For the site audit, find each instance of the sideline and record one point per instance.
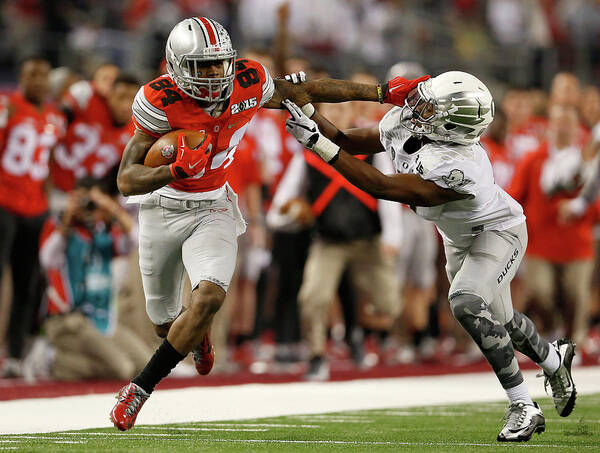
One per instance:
(249, 401)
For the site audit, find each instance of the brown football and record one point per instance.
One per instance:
(164, 150)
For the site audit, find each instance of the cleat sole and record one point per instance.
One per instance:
(568, 362)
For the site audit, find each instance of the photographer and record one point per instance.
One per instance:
(76, 253)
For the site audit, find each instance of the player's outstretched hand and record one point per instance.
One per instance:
(396, 90)
(301, 126)
(190, 161)
(307, 132)
(296, 77)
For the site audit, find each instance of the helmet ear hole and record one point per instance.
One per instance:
(449, 126)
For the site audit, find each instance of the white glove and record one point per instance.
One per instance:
(307, 133)
(296, 77)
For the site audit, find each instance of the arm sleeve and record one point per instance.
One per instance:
(390, 212)
(268, 88)
(289, 188)
(147, 117)
(390, 131)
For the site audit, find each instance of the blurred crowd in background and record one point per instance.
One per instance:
(325, 273)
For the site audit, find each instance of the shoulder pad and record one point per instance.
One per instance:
(148, 111)
(249, 73)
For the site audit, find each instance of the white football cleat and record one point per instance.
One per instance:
(522, 420)
(561, 382)
(318, 370)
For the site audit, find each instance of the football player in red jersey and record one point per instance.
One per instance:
(99, 128)
(29, 128)
(189, 218)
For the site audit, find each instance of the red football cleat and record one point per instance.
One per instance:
(131, 399)
(204, 356)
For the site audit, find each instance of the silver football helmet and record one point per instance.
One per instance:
(192, 44)
(454, 106)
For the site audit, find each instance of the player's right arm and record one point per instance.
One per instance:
(410, 189)
(364, 140)
(134, 178)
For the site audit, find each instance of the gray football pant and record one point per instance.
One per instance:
(480, 273)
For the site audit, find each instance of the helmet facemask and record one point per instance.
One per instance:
(418, 112)
(459, 117)
(208, 89)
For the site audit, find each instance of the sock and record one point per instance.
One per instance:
(519, 393)
(418, 336)
(550, 363)
(160, 365)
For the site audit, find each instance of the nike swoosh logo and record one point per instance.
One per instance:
(192, 166)
(229, 126)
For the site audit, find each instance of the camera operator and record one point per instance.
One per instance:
(76, 253)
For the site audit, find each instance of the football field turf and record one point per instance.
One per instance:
(455, 428)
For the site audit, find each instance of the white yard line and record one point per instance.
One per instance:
(271, 400)
(104, 436)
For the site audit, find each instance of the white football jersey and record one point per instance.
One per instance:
(463, 168)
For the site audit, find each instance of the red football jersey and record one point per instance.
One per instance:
(26, 136)
(245, 169)
(93, 144)
(160, 106)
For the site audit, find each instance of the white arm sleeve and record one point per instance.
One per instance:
(268, 88)
(390, 212)
(148, 116)
(291, 186)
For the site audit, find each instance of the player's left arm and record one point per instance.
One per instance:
(333, 90)
(135, 178)
(321, 90)
(404, 188)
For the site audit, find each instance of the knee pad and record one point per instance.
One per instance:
(473, 314)
(464, 305)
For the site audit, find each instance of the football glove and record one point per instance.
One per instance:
(396, 90)
(189, 161)
(296, 77)
(307, 133)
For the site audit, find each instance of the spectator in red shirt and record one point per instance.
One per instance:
(542, 180)
(99, 128)
(29, 128)
(524, 129)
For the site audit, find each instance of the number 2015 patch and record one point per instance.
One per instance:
(243, 105)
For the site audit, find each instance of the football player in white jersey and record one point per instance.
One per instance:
(443, 172)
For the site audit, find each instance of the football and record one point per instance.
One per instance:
(164, 150)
